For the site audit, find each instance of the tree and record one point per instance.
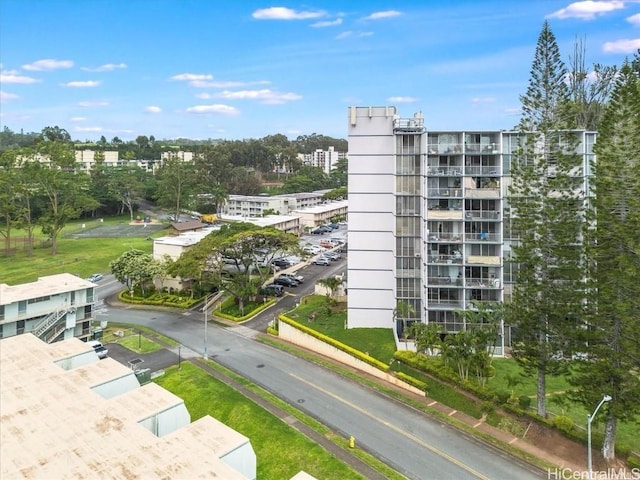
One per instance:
(126, 184)
(427, 337)
(66, 192)
(330, 283)
(175, 182)
(588, 91)
(546, 204)
(611, 357)
(55, 134)
(133, 268)
(404, 312)
(237, 258)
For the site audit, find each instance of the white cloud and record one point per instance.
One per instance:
(216, 108)
(48, 64)
(626, 45)
(483, 100)
(282, 13)
(152, 109)
(13, 77)
(265, 95)
(107, 67)
(588, 9)
(6, 96)
(383, 14)
(190, 77)
(81, 84)
(328, 23)
(634, 20)
(93, 104)
(78, 119)
(402, 99)
(225, 84)
(352, 34)
(88, 129)
(204, 96)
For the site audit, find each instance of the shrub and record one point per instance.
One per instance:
(503, 396)
(634, 461)
(563, 423)
(412, 381)
(524, 402)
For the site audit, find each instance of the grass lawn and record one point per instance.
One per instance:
(81, 256)
(377, 342)
(280, 450)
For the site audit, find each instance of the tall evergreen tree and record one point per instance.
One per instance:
(545, 201)
(613, 340)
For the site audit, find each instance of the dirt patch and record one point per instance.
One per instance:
(119, 231)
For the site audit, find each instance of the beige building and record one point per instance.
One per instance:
(321, 214)
(66, 414)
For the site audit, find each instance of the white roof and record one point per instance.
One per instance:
(49, 285)
(55, 426)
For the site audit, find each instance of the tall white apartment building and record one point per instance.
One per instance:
(323, 159)
(427, 230)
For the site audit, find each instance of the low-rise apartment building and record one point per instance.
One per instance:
(53, 308)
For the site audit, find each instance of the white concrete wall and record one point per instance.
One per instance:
(297, 337)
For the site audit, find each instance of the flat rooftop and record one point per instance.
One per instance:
(49, 285)
(55, 423)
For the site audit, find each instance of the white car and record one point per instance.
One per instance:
(100, 349)
(96, 277)
(295, 276)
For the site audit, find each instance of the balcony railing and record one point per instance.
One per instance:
(483, 237)
(490, 148)
(445, 192)
(481, 170)
(482, 282)
(485, 214)
(445, 259)
(444, 171)
(444, 148)
(445, 237)
(487, 192)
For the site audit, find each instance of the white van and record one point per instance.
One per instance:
(100, 349)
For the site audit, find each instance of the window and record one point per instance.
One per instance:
(38, 299)
(1, 312)
(22, 307)
(19, 327)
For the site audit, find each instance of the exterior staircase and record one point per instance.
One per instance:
(48, 322)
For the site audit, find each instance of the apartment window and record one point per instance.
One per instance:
(90, 295)
(22, 307)
(38, 299)
(1, 335)
(19, 327)
(1, 312)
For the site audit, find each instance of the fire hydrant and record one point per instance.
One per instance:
(352, 442)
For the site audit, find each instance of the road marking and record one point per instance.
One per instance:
(431, 448)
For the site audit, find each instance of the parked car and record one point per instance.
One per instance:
(273, 290)
(285, 281)
(96, 277)
(333, 226)
(332, 256)
(324, 261)
(326, 244)
(295, 276)
(320, 231)
(99, 348)
(282, 263)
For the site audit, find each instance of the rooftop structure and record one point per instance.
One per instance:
(66, 414)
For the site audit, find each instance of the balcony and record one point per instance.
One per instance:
(439, 214)
(481, 170)
(445, 237)
(444, 171)
(444, 148)
(445, 192)
(483, 260)
(444, 304)
(490, 148)
(482, 283)
(483, 237)
(445, 259)
(485, 193)
(482, 214)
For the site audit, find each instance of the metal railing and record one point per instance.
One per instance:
(50, 320)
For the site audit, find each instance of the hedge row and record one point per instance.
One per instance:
(421, 362)
(226, 302)
(166, 300)
(339, 345)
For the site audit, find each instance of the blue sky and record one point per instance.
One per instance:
(246, 69)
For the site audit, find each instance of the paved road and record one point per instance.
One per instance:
(412, 443)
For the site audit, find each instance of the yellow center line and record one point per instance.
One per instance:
(431, 448)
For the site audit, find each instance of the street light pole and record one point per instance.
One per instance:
(206, 307)
(590, 417)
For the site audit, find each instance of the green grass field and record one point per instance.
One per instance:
(280, 450)
(377, 342)
(81, 256)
